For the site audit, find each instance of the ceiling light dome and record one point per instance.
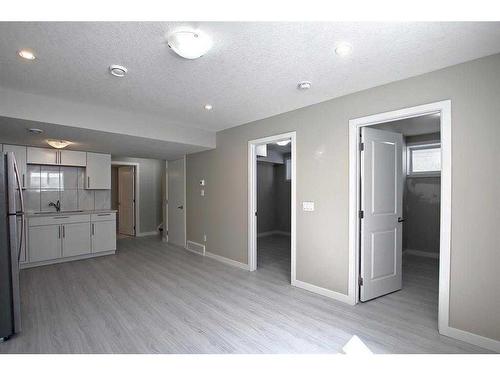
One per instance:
(58, 143)
(283, 143)
(27, 54)
(343, 49)
(189, 44)
(304, 85)
(118, 70)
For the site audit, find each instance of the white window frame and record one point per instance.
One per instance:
(409, 159)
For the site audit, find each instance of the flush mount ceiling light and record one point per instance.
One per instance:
(283, 143)
(117, 70)
(189, 44)
(35, 131)
(343, 49)
(304, 85)
(208, 107)
(26, 54)
(58, 143)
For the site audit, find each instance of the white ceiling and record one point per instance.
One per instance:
(14, 131)
(250, 73)
(427, 124)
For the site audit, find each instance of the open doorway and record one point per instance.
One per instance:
(271, 205)
(400, 210)
(124, 191)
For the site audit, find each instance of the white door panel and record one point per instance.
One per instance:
(126, 204)
(382, 203)
(176, 202)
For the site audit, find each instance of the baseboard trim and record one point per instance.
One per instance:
(472, 338)
(273, 232)
(64, 260)
(323, 291)
(225, 260)
(144, 234)
(420, 253)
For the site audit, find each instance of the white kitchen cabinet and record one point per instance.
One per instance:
(22, 256)
(20, 155)
(38, 155)
(75, 239)
(103, 236)
(73, 158)
(44, 243)
(98, 171)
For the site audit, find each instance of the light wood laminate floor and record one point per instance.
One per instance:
(155, 298)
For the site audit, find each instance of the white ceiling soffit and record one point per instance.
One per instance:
(14, 131)
(250, 73)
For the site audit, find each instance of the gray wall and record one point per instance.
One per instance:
(422, 202)
(273, 198)
(151, 172)
(323, 177)
(265, 197)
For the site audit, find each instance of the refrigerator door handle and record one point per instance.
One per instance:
(19, 186)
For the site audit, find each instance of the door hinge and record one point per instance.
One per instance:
(360, 281)
(362, 146)
(255, 213)
(361, 214)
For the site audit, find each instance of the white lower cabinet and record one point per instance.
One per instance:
(53, 239)
(44, 243)
(75, 239)
(103, 236)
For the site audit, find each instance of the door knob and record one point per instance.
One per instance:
(180, 207)
(400, 220)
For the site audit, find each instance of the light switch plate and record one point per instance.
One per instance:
(308, 206)
(202, 193)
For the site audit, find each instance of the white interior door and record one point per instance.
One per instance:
(381, 205)
(126, 200)
(176, 202)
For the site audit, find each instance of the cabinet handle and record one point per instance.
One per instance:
(24, 185)
(64, 232)
(59, 232)
(88, 181)
(92, 229)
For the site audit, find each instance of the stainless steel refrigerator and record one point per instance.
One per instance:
(11, 208)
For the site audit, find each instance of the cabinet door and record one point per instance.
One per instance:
(22, 257)
(20, 154)
(37, 155)
(98, 171)
(44, 243)
(75, 239)
(73, 158)
(103, 236)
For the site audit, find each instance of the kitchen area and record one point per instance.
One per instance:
(67, 204)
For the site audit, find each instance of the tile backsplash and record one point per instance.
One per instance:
(52, 183)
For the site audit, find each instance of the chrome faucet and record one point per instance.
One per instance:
(57, 205)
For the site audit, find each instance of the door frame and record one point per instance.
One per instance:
(444, 108)
(252, 199)
(137, 221)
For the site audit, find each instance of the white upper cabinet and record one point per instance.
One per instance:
(20, 155)
(49, 156)
(98, 171)
(73, 158)
(38, 155)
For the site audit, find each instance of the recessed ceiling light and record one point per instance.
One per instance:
(208, 107)
(343, 49)
(27, 54)
(283, 143)
(118, 70)
(58, 143)
(304, 85)
(35, 131)
(189, 44)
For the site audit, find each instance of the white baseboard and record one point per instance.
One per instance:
(420, 253)
(144, 234)
(273, 232)
(225, 260)
(472, 338)
(323, 291)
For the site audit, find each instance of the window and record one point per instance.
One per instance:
(424, 160)
(288, 166)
